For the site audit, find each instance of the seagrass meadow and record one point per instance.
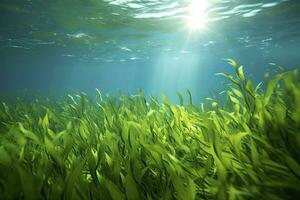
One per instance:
(132, 147)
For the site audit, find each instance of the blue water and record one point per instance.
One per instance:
(56, 47)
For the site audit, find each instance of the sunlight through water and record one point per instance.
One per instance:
(197, 18)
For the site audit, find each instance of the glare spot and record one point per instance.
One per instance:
(125, 49)
(134, 58)
(78, 35)
(135, 5)
(268, 5)
(251, 13)
(197, 14)
(68, 55)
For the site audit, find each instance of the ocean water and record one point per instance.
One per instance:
(61, 138)
(58, 47)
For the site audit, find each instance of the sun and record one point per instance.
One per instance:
(197, 18)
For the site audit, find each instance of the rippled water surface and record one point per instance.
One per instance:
(164, 46)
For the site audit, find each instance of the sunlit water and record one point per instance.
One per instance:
(55, 47)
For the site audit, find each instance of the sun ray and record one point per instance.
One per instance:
(197, 18)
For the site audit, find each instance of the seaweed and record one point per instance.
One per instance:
(130, 147)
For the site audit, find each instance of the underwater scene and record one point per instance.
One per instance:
(149, 99)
